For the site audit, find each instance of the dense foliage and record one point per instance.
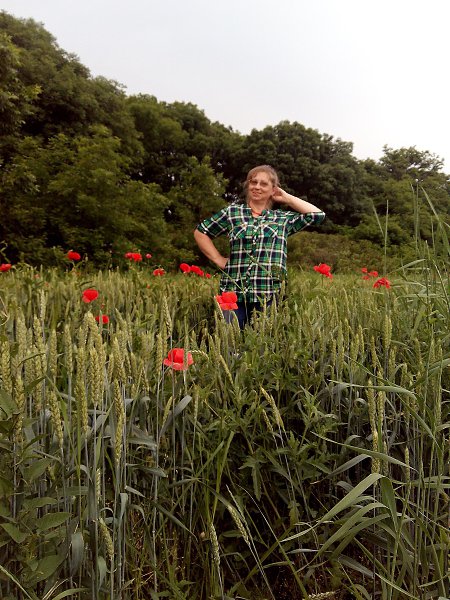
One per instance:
(84, 166)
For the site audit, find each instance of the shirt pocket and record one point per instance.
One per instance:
(270, 230)
(238, 233)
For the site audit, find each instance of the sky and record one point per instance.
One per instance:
(369, 72)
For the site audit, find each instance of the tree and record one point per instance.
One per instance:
(76, 193)
(15, 97)
(198, 195)
(410, 162)
(163, 140)
(398, 187)
(174, 133)
(69, 99)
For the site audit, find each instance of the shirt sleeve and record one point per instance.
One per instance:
(216, 225)
(298, 221)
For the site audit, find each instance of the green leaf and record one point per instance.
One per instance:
(30, 387)
(149, 442)
(52, 520)
(4, 510)
(157, 471)
(45, 568)
(349, 464)
(7, 405)
(38, 502)
(352, 497)
(36, 469)
(390, 583)
(14, 532)
(123, 504)
(77, 551)
(355, 519)
(172, 518)
(6, 487)
(366, 451)
(388, 498)
(133, 491)
(102, 569)
(70, 592)
(76, 490)
(355, 565)
(367, 525)
(174, 413)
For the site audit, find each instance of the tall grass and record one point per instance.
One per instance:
(308, 457)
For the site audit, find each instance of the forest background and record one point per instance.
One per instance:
(88, 168)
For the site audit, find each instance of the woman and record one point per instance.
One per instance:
(258, 232)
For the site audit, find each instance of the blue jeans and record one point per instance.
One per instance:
(244, 312)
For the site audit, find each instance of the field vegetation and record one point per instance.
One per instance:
(307, 457)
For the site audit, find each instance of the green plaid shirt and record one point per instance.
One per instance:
(258, 247)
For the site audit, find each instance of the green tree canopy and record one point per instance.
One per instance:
(69, 99)
(15, 97)
(76, 193)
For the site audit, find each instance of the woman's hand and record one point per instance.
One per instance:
(279, 195)
(221, 262)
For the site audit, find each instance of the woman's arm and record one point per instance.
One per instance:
(294, 203)
(208, 248)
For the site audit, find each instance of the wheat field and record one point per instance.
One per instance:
(306, 457)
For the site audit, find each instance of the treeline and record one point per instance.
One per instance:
(86, 167)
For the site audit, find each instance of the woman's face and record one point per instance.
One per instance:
(260, 188)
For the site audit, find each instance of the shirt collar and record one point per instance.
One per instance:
(248, 211)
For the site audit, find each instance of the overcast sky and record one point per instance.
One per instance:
(370, 72)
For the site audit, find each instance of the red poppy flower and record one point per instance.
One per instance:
(148, 255)
(178, 360)
(136, 256)
(185, 267)
(159, 272)
(208, 275)
(105, 319)
(90, 295)
(227, 301)
(5, 267)
(71, 255)
(369, 274)
(324, 270)
(197, 270)
(382, 282)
